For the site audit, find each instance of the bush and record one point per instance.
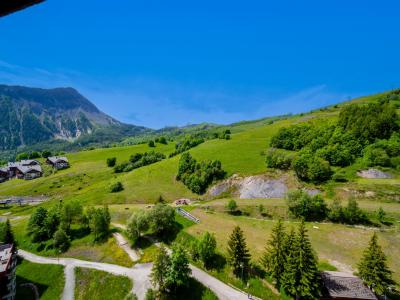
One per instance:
(151, 143)
(376, 157)
(138, 160)
(116, 187)
(61, 240)
(278, 159)
(188, 143)
(111, 161)
(302, 205)
(311, 168)
(231, 206)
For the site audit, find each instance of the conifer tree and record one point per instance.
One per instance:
(238, 253)
(373, 269)
(8, 234)
(301, 275)
(274, 257)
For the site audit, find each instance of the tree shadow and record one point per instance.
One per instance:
(24, 292)
(78, 233)
(217, 263)
(169, 236)
(194, 290)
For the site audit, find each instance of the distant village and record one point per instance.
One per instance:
(30, 168)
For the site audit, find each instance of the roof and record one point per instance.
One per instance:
(8, 7)
(6, 252)
(345, 285)
(27, 169)
(56, 159)
(26, 162)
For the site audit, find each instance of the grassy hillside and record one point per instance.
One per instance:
(89, 178)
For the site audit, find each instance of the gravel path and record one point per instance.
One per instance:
(124, 244)
(139, 274)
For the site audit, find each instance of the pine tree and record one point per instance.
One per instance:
(301, 275)
(160, 270)
(373, 269)
(274, 258)
(8, 234)
(238, 253)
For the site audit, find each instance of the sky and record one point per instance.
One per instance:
(166, 63)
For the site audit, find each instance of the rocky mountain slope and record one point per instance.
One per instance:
(32, 115)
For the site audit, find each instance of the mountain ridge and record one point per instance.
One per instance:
(35, 115)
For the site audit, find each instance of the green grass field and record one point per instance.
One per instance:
(49, 280)
(94, 284)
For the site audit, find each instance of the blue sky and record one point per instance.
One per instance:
(159, 63)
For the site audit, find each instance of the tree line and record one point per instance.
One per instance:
(197, 176)
(369, 131)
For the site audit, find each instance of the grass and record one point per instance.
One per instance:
(49, 279)
(94, 284)
(194, 290)
(333, 242)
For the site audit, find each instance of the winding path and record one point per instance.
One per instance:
(139, 274)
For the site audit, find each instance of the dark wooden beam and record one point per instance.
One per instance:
(10, 6)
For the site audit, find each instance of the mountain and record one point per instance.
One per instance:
(33, 115)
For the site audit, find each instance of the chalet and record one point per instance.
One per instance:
(29, 162)
(28, 172)
(8, 265)
(344, 286)
(25, 169)
(58, 162)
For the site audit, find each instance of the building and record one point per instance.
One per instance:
(344, 286)
(58, 162)
(182, 201)
(28, 172)
(3, 174)
(8, 264)
(24, 169)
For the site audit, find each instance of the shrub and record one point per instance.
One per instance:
(151, 143)
(231, 206)
(61, 240)
(111, 161)
(116, 187)
(311, 168)
(376, 157)
(138, 160)
(278, 159)
(302, 205)
(188, 143)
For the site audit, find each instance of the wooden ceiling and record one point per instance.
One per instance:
(10, 6)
